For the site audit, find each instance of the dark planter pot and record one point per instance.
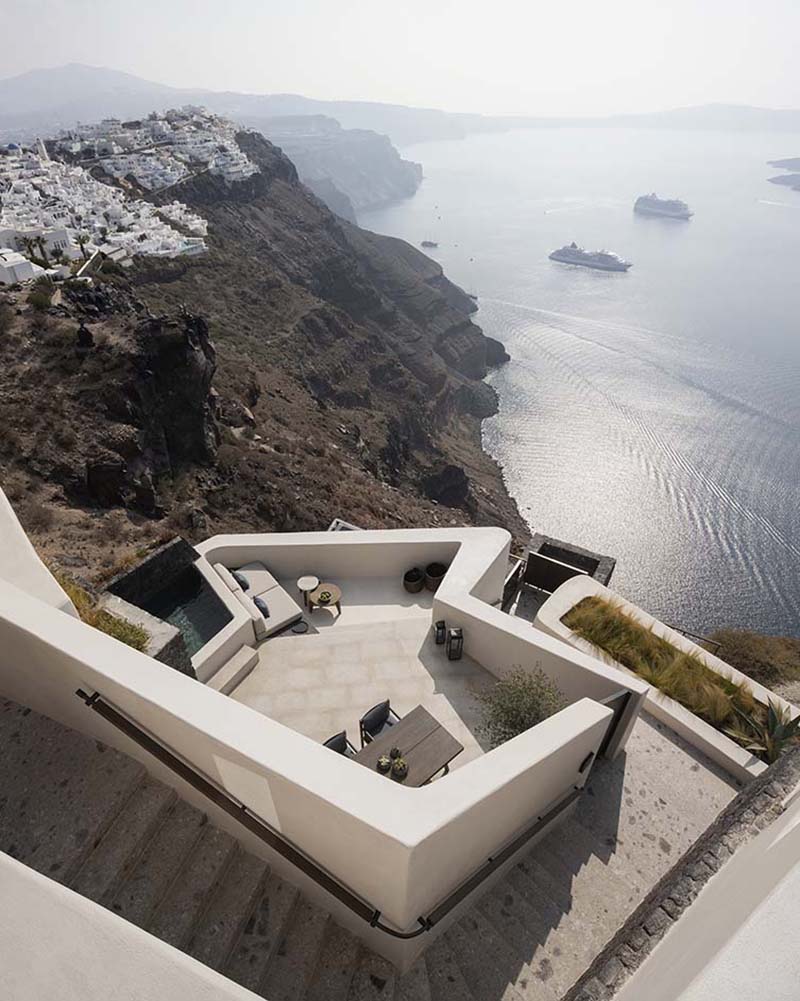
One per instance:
(414, 580)
(434, 574)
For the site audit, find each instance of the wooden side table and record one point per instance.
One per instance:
(316, 600)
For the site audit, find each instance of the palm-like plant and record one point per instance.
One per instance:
(766, 736)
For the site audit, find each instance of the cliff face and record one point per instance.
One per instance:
(358, 164)
(300, 370)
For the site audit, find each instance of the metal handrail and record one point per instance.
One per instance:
(696, 636)
(257, 826)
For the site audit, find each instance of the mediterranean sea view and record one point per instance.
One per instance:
(653, 415)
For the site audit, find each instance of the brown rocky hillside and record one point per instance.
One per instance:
(300, 370)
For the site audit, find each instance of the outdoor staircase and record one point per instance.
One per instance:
(93, 819)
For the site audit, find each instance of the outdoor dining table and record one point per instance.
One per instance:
(425, 744)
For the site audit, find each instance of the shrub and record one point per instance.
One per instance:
(39, 299)
(518, 702)
(768, 660)
(35, 515)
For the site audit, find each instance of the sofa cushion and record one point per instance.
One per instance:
(228, 578)
(261, 605)
(240, 579)
(258, 577)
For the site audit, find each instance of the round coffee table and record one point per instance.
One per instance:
(324, 596)
(306, 584)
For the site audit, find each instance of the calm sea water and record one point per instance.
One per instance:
(653, 415)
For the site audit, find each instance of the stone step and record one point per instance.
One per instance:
(595, 888)
(262, 933)
(336, 965)
(446, 980)
(292, 964)
(220, 927)
(374, 979)
(185, 902)
(526, 931)
(60, 791)
(115, 854)
(489, 966)
(562, 942)
(152, 876)
(234, 671)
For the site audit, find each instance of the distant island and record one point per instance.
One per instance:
(790, 163)
(788, 180)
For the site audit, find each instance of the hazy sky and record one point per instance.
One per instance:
(539, 56)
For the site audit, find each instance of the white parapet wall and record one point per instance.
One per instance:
(20, 563)
(61, 946)
(736, 760)
(401, 850)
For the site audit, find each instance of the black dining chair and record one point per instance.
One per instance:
(374, 722)
(339, 743)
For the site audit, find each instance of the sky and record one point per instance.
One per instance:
(547, 57)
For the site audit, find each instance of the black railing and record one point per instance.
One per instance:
(512, 583)
(287, 851)
(700, 640)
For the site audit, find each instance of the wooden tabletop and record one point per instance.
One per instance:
(333, 589)
(425, 744)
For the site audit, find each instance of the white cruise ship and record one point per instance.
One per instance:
(672, 208)
(601, 260)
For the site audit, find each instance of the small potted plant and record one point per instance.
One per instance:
(413, 580)
(434, 574)
(399, 768)
(384, 764)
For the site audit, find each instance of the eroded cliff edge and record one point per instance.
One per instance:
(301, 369)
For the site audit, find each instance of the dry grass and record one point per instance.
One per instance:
(122, 630)
(682, 676)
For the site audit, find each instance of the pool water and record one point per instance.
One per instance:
(189, 603)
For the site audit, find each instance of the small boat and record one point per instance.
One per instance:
(429, 243)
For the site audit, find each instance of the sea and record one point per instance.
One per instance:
(652, 415)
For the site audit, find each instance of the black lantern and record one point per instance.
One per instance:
(455, 643)
(439, 632)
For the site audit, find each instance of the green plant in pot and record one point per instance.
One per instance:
(399, 768)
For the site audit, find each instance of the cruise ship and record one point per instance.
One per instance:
(673, 208)
(602, 260)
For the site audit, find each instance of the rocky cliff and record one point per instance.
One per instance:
(301, 369)
(355, 166)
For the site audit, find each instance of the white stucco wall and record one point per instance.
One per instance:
(55, 944)
(739, 937)
(401, 849)
(20, 563)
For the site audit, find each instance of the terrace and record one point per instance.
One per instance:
(578, 817)
(380, 646)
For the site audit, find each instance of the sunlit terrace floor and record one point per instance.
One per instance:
(380, 647)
